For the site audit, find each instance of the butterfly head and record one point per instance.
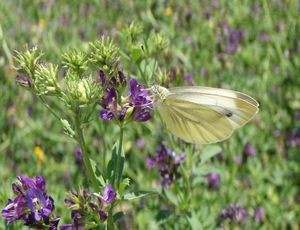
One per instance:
(159, 93)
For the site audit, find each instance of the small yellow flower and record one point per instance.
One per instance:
(168, 11)
(39, 153)
(41, 23)
(119, 25)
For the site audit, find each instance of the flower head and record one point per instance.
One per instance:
(86, 206)
(250, 150)
(14, 209)
(40, 204)
(139, 98)
(167, 162)
(136, 105)
(78, 155)
(109, 104)
(31, 204)
(235, 36)
(213, 180)
(259, 214)
(109, 195)
(234, 213)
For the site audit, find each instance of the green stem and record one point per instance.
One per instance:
(119, 158)
(110, 221)
(86, 160)
(49, 107)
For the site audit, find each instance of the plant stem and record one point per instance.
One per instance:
(118, 176)
(86, 160)
(110, 220)
(119, 158)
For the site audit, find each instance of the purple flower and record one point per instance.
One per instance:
(259, 214)
(167, 162)
(14, 209)
(24, 183)
(235, 36)
(113, 82)
(109, 195)
(140, 143)
(234, 213)
(53, 223)
(102, 215)
(249, 150)
(109, 104)
(213, 180)
(78, 156)
(32, 204)
(25, 81)
(139, 98)
(189, 78)
(40, 205)
(86, 207)
(137, 105)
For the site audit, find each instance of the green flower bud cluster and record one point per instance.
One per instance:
(159, 43)
(76, 62)
(132, 31)
(79, 89)
(81, 92)
(28, 61)
(105, 55)
(45, 79)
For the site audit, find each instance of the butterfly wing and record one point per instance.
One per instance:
(203, 117)
(214, 91)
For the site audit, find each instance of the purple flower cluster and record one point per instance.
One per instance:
(229, 37)
(167, 162)
(136, 105)
(213, 180)
(31, 204)
(248, 152)
(234, 213)
(259, 214)
(85, 208)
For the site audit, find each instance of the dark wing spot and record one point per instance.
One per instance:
(228, 114)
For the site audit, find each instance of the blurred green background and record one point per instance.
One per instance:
(248, 46)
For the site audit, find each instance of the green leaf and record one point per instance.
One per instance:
(112, 165)
(210, 151)
(171, 197)
(136, 53)
(206, 169)
(163, 215)
(117, 216)
(97, 173)
(138, 194)
(123, 185)
(194, 221)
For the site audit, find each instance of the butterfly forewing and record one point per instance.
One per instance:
(214, 91)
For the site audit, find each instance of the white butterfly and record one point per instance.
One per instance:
(203, 115)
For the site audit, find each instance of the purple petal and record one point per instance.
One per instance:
(109, 194)
(106, 115)
(40, 183)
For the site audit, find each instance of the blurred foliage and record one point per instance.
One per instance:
(249, 46)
